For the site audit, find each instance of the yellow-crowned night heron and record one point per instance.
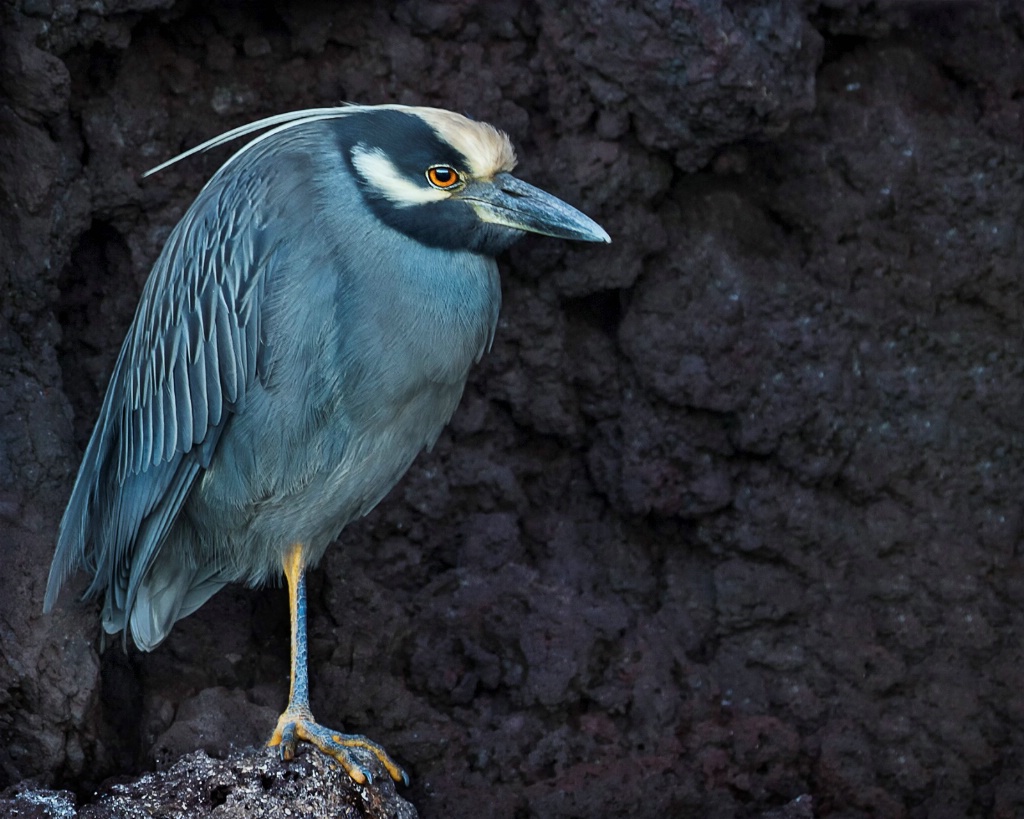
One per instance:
(306, 331)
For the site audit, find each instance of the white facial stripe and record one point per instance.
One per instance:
(382, 175)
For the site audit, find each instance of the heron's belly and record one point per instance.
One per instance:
(269, 487)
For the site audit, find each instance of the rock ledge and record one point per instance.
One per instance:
(251, 784)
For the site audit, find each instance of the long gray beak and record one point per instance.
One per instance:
(509, 201)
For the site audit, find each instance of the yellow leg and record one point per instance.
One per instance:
(297, 723)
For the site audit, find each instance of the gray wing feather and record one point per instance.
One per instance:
(192, 353)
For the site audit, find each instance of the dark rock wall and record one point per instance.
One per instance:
(731, 511)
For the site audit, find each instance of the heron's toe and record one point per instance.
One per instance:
(300, 725)
(284, 736)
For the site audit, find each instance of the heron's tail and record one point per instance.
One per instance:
(171, 590)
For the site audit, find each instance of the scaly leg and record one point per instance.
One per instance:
(297, 723)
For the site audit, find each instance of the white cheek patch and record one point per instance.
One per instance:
(494, 216)
(381, 174)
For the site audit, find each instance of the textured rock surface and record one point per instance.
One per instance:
(245, 785)
(731, 513)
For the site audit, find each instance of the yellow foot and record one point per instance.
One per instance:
(298, 724)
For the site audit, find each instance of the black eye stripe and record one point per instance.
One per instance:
(405, 139)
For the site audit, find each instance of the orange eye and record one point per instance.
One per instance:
(443, 176)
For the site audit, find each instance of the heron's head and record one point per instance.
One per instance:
(438, 177)
(446, 181)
